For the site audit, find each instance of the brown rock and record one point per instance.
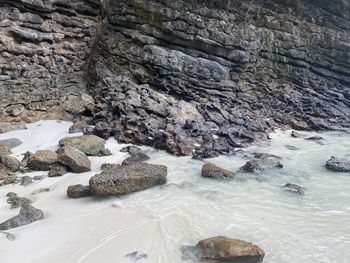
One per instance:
(212, 171)
(42, 160)
(78, 191)
(10, 163)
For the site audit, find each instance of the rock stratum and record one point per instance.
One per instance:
(190, 76)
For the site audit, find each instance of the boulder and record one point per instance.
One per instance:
(260, 165)
(338, 164)
(16, 201)
(58, 170)
(27, 215)
(78, 191)
(12, 142)
(224, 249)
(294, 188)
(210, 170)
(136, 155)
(121, 180)
(10, 163)
(80, 126)
(42, 160)
(88, 144)
(74, 159)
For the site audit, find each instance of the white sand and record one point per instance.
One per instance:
(158, 221)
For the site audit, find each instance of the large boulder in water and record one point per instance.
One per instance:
(88, 144)
(210, 170)
(28, 214)
(224, 249)
(121, 180)
(74, 159)
(42, 160)
(259, 165)
(338, 164)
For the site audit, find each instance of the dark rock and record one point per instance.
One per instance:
(136, 256)
(10, 163)
(314, 138)
(80, 126)
(74, 159)
(260, 165)
(136, 153)
(27, 215)
(78, 191)
(294, 188)
(210, 170)
(26, 180)
(88, 144)
(338, 164)
(291, 147)
(16, 201)
(297, 135)
(11, 143)
(224, 249)
(58, 170)
(121, 180)
(102, 129)
(42, 160)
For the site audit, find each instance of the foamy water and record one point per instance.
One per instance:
(158, 221)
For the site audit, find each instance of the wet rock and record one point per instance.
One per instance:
(58, 170)
(210, 170)
(102, 129)
(16, 201)
(136, 256)
(338, 164)
(10, 179)
(136, 153)
(11, 143)
(294, 188)
(266, 155)
(295, 134)
(3, 174)
(88, 144)
(41, 190)
(39, 177)
(80, 126)
(299, 125)
(10, 163)
(27, 215)
(74, 159)
(291, 147)
(224, 249)
(26, 180)
(314, 138)
(5, 149)
(78, 191)
(260, 165)
(42, 160)
(121, 180)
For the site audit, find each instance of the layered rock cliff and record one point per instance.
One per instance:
(196, 75)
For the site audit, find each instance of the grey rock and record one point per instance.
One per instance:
(10, 163)
(58, 170)
(12, 142)
(80, 126)
(338, 164)
(136, 256)
(294, 188)
(26, 180)
(74, 159)
(5, 149)
(88, 144)
(16, 201)
(121, 180)
(27, 215)
(260, 165)
(41, 190)
(292, 147)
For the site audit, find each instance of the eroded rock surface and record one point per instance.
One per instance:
(74, 159)
(338, 164)
(88, 144)
(41, 160)
(210, 170)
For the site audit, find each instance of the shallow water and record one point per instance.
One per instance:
(158, 221)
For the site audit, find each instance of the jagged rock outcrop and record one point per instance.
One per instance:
(185, 76)
(45, 47)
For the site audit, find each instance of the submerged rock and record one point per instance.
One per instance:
(338, 164)
(12, 142)
(224, 249)
(260, 165)
(42, 160)
(210, 170)
(121, 180)
(74, 159)
(314, 138)
(78, 191)
(296, 134)
(292, 147)
(88, 144)
(136, 256)
(294, 188)
(16, 201)
(136, 153)
(27, 215)
(58, 170)
(10, 163)
(26, 180)
(5, 149)
(40, 190)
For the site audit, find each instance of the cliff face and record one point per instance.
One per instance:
(184, 74)
(45, 46)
